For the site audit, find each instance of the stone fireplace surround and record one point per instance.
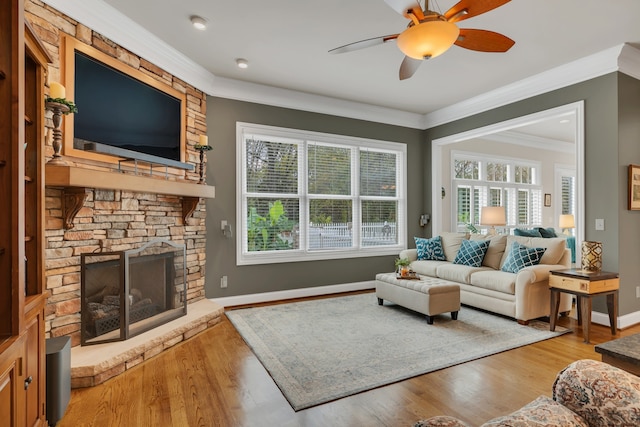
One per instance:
(90, 207)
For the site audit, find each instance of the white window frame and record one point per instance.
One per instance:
(244, 257)
(483, 186)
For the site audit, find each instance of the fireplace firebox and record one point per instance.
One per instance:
(129, 292)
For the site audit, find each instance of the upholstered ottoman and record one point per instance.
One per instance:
(429, 296)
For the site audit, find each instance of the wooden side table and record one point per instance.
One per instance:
(584, 285)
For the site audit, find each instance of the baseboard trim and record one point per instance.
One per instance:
(293, 293)
(622, 322)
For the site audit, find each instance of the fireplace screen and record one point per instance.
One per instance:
(129, 292)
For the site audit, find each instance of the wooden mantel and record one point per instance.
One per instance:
(75, 180)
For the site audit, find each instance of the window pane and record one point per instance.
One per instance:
(466, 169)
(568, 194)
(272, 167)
(377, 173)
(272, 225)
(497, 172)
(464, 205)
(524, 174)
(523, 207)
(329, 170)
(379, 223)
(331, 224)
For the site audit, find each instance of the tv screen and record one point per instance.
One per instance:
(117, 110)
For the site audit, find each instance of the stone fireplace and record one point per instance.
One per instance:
(126, 293)
(93, 207)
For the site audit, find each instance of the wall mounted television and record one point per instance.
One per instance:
(120, 106)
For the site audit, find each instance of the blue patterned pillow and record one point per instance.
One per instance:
(521, 256)
(472, 252)
(430, 249)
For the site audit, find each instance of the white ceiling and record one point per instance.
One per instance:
(286, 43)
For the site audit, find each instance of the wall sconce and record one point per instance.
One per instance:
(424, 219)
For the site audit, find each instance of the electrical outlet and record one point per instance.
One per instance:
(223, 224)
(223, 282)
(599, 224)
(637, 291)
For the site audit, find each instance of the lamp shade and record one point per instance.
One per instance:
(428, 39)
(566, 221)
(493, 215)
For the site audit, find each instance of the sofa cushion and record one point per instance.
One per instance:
(600, 393)
(472, 252)
(427, 267)
(526, 233)
(541, 412)
(430, 249)
(555, 247)
(520, 257)
(457, 272)
(495, 281)
(497, 246)
(451, 243)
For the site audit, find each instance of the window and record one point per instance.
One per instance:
(306, 195)
(511, 183)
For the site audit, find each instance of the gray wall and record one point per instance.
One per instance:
(612, 137)
(222, 115)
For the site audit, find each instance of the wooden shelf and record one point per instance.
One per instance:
(75, 180)
(68, 176)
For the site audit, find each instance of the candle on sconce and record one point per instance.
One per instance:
(56, 91)
(204, 140)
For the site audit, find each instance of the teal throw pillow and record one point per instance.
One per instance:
(430, 249)
(526, 233)
(472, 252)
(521, 256)
(547, 233)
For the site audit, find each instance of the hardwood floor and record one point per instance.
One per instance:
(214, 379)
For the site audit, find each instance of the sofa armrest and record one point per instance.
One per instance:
(600, 393)
(411, 254)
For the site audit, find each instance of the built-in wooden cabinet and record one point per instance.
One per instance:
(22, 344)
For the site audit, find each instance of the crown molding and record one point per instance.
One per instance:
(583, 69)
(531, 141)
(287, 98)
(106, 20)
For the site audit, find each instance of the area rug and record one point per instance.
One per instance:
(321, 350)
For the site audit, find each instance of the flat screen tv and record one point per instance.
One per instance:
(122, 107)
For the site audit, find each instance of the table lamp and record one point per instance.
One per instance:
(566, 222)
(492, 216)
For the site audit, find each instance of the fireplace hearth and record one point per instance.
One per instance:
(129, 292)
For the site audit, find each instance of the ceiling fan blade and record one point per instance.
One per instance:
(402, 6)
(483, 40)
(466, 9)
(409, 67)
(364, 44)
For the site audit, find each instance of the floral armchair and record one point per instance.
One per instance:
(587, 393)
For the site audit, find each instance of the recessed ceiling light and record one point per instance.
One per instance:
(199, 22)
(564, 121)
(242, 63)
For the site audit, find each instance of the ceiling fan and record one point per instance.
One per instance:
(430, 34)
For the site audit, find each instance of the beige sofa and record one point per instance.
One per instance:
(523, 295)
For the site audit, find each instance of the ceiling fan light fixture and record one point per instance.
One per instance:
(428, 39)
